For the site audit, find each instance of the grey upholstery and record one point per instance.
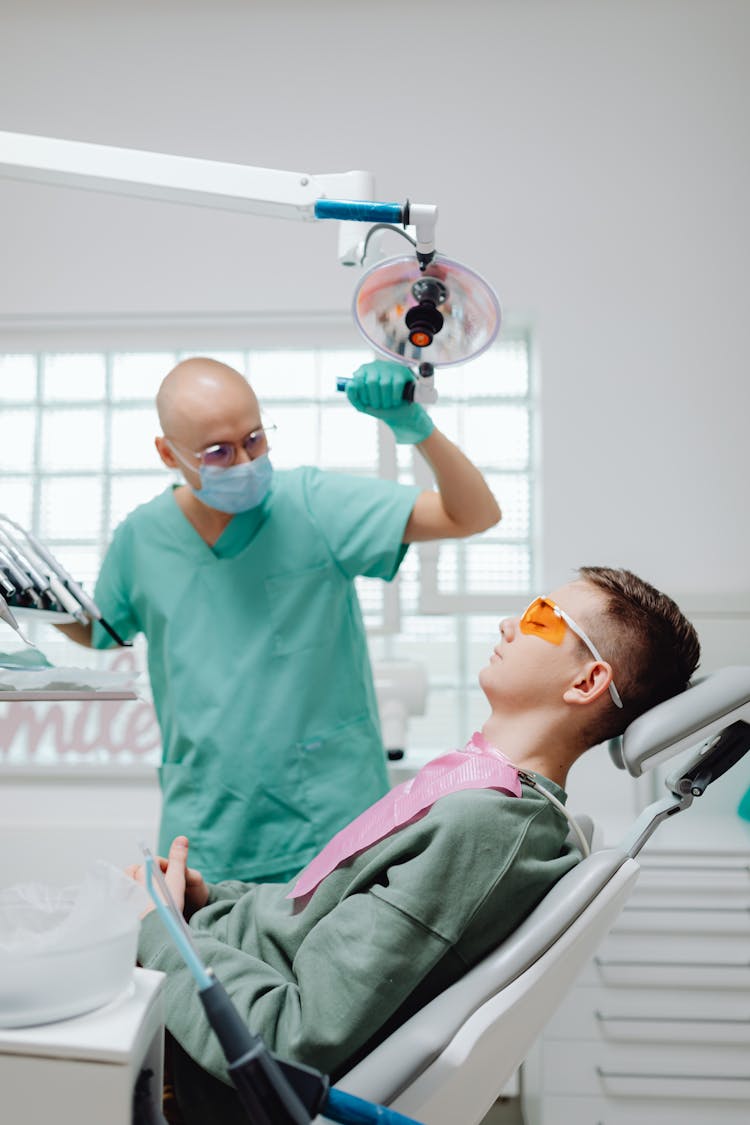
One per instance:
(415, 1044)
(586, 825)
(708, 705)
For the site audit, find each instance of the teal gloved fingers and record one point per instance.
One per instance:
(377, 388)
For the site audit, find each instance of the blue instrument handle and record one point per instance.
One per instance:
(351, 1110)
(359, 211)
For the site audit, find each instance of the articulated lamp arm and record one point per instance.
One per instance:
(186, 179)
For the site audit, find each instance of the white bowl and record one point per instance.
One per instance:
(51, 985)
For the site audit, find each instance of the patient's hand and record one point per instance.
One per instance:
(187, 886)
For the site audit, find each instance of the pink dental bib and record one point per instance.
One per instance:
(478, 766)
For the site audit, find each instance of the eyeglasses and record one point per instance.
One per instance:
(224, 453)
(544, 618)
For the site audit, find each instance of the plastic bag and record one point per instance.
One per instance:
(35, 917)
(67, 950)
(22, 656)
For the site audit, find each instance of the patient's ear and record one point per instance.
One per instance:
(591, 683)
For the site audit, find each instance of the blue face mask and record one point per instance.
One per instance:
(236, 489)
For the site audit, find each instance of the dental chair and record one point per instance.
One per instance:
(450, 1061)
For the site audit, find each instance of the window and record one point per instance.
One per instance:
(77, 454)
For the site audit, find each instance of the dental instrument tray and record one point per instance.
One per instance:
(34, 582)
(56, 683)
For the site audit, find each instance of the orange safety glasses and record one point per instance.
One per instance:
(544, 618)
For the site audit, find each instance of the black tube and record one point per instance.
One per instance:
(114, 635)
(267, 1088)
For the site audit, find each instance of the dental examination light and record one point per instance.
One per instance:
(423, 310)
(271, 1091)
(31, 578)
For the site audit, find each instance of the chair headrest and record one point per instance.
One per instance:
(709, 704)
(586, 825)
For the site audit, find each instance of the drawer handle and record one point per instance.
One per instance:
(604, 963)
(602, 1018)
(672, 1077)
(653, 909)
(741, 867)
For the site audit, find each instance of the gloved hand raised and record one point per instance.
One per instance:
(377, 388)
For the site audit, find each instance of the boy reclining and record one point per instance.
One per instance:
(393, 912)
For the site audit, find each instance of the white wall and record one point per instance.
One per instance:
(605, 144)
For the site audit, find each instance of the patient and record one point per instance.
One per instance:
(378, 924)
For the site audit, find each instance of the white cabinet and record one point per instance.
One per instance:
(657, 1028)
(85, 1069)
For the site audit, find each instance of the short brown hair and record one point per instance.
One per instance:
(651, 645)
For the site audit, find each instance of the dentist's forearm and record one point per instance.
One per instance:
(77, 632)
(465, 496)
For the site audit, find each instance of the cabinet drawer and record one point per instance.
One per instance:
(709, 920)
(606, 1111)
(629, 973)
(687, 883)
(625, 1070)
(671, 960)
(652, 1015)
(677, 945)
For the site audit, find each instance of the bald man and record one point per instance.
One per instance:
(242, 581)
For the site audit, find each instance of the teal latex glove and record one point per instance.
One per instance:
(377, 388)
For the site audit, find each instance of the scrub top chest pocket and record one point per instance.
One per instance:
(307, 608)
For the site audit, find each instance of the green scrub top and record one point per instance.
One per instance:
(258, 662)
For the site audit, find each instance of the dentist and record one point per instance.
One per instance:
(242, 581)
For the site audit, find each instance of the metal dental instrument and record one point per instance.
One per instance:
(6, 615)
(6, 586)
(19, 558)
(21, 586)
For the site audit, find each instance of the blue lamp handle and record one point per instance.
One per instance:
(359, 211)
